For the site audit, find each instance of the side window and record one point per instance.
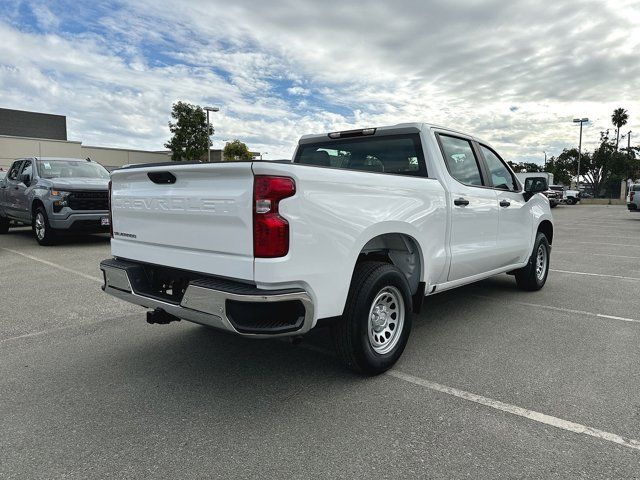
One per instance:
(460, 159)
(500, 175)
(13, 172)
(27, 168)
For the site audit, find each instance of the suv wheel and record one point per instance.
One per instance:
(375, 326)
(42, 231)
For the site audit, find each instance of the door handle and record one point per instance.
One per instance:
(461, 202)
(505, 203)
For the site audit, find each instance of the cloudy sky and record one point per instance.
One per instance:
(512, 72)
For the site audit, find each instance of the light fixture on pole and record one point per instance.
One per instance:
(580, 121)
(263, 153)
(209, 109)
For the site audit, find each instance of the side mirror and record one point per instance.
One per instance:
(534, 185)
(25, 178)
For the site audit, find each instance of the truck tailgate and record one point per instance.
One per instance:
(194, 217)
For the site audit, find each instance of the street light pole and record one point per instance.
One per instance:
(209, 109)
(580, 121)
(545, 159)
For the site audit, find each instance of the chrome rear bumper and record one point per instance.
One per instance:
(230, 306)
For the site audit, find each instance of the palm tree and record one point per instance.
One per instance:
(619, 119)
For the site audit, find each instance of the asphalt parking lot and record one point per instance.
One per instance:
(495, 382)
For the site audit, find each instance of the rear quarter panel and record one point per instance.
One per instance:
(335, 213)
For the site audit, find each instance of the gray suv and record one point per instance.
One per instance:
(54, 195)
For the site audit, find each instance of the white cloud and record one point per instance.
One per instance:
(513, 73)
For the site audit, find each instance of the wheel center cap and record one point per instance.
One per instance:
(380, 318)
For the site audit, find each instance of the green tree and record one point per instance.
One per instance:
(190, 132)
(562, 169)
(619, 119)
(236, 150)
(525, 167)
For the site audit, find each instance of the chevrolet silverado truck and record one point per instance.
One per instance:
(55, 195)
(353, 233)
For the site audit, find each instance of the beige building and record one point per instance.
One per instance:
(17, 147)
(33, 134)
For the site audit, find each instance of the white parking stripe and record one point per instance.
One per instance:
(559, 309)
(55, 265)
(505, 407)
(519, 411)
(597, 254)
(594, 274)
(605, 243)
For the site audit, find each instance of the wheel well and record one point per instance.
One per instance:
(546, 227)
(36, 203)
(399, 250)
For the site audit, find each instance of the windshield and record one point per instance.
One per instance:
(71, 169)
(397, 154)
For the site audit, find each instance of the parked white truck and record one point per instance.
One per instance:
(353, 234)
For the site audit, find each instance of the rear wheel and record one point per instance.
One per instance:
(571, 201)
(42, 231)
(375, 327)
(4, 224)
(534, 275)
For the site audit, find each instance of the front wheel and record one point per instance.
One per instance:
(534, 275)
(42, 231)
(571, 201)
(375, 326)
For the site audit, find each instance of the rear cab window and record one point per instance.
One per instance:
(391, 154)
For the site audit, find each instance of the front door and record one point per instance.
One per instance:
(474, 211)
(9, 190)
(516, 221)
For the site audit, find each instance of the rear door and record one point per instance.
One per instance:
(474, 210)
(516, 219)
(195, 217)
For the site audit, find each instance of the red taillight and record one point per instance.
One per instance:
(270, 230)
(110, 215)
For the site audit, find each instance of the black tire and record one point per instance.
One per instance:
(571, 201)
(529, 277)
(4, 224)
(381, 286)
(553, 205)
(42, 231)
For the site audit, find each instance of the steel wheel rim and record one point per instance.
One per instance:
(40, 227)
(541, 262)
(386, 320)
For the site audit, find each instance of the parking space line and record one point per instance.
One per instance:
(55, 265)
(594, 274)
(597, 254)
(518, 411)
(559, 309)
(605, 243)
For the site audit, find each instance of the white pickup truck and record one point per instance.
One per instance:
(353, 234)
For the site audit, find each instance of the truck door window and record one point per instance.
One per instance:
(27, 168)
(500, 175)
(460, 159)
(15, 168)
